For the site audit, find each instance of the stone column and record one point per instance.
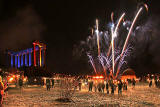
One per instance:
(26, 61)
(19, 63)
(22, 60)
(30, 59)
(34, 53)
(11, 60)
(15, 61)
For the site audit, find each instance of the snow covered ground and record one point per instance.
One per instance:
(141, 96)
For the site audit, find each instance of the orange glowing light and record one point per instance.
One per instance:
(98, 77)
(24, 79)
(11, 79)
(40, 55)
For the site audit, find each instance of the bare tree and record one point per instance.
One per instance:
(68, 87)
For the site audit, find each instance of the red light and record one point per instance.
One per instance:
(98, 77)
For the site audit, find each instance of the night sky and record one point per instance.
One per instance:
(63, 23)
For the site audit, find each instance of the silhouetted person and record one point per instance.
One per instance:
(99, 87)
(125, 85)
(120, 87)
(90, 85)
(107, 87)
(20, 82)
(42, 82)
(80, 85)
(156, 81)
(95, 86)
(103, 86)
(6, 85)
(48, 84)
(150, 83)
(112, 88)
(52, 83)
(2, 91)
(133, 83)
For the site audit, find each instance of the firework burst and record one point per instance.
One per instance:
(106, 42)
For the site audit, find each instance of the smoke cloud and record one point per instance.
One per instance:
(145, 58)
(21, 30)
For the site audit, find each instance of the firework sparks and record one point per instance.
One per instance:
(92, 31)
(126, 41)
(92, 62)
(114, 34)
(115, 31)
(102, 63)
(122, 61)
(112, 14)
(109, 62)
(129, 33)
(119, 21)
(112, 48)
(145, 5)
(97, 31)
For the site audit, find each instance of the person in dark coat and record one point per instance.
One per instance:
(6, 87)
(150, 83)
(95, 86)
(120, 87)
(103, 86)
(48, 84)
(125, 85)
(112, 88)
(158, 83)
(133, 83)
(107, 87)
(99, 87)
(90, 85)
(155, 79)
(52, 82)
(80, 85)
(20, 82)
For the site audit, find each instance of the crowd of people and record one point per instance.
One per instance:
(94, 85)
(109, 85)
(154, 81)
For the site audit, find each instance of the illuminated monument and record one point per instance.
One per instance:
(29, 57)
